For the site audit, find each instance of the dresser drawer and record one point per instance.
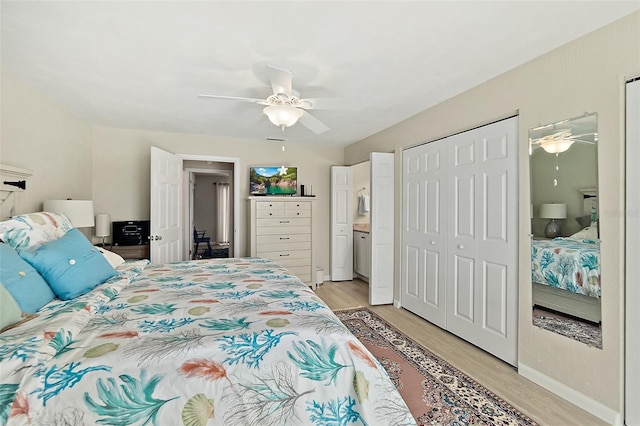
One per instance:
(284, 222)
(293, 263)
(283, 246)
(265, 209)
(278, 230)
(285, 255)
(262, 240)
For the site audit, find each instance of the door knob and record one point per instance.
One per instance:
(433, 243)
(460, 246)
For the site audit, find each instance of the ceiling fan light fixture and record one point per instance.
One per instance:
(283, 115)
(556, 146)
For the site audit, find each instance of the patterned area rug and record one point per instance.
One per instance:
(584, 332)
(436, 392)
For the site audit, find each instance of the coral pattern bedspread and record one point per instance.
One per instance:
(569, 264)
(218, 342)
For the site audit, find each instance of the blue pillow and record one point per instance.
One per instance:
(26, 286)
(70, 265)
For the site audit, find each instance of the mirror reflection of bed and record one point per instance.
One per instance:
(565, 253)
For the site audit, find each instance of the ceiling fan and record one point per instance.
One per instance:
(284, 107)
(561, 140)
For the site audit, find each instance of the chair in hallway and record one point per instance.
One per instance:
(198, 237)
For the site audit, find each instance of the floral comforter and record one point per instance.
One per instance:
(218, 342)
(572, 265)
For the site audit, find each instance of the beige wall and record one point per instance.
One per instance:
(42, 136)
(586, 75)
(122, 163)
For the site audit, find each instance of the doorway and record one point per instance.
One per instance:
(211, 205)
(211, 214)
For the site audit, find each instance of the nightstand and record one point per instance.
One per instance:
(131, 252)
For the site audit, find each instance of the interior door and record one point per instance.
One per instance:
(382, 225)
(483, 267)
(424, 238)
(166, 207)
(632, 339)
(341, 223)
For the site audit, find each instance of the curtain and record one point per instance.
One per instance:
(221, 196)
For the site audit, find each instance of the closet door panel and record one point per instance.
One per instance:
(424, 232)
(497, 245)
(494, 298)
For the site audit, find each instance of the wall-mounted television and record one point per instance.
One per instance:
(273, 180)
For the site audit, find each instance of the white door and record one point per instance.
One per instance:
(459, 241)
(381, 229)
(482, 290)
(424, 226)
(632, 342)
(341, 223)
(166, 207)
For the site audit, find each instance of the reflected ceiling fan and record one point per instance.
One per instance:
(561, 140)
(284, 107)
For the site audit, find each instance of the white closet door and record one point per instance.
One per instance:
(341, 223)
(459, 247)
(483, 279)
(381, 228)
(497, 295)
(424, 239)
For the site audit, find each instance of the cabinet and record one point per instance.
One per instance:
(131, 252)
(361, 253)
(281, 230)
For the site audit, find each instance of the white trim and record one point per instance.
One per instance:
(588, 404)
(632, 268)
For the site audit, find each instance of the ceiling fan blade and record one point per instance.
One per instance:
(280, 80)
(236, 98)
(312, 123)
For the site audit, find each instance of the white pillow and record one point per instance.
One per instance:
(113, 258)
(588, 233)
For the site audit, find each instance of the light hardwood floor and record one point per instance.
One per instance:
(500, 378)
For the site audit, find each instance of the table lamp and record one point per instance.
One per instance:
(103, 226)
(553, 211)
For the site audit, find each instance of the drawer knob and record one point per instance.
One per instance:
(284, 221)
(284, 255)
(298, 214)
(270, 214)
(284, 238)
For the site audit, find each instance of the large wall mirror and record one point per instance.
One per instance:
(565, 252)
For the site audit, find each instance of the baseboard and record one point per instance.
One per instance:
(588, 404)
(397, 304)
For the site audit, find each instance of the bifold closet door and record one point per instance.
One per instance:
(459, 239)
(482, 276)
(424, 232)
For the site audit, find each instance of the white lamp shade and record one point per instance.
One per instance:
(283, 115)
(79, 212)
(103, 225)
(553, 211)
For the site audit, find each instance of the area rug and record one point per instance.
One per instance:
(585, 332)
(435, 392)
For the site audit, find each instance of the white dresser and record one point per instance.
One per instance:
(280, 230)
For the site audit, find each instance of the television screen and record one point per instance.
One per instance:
(273, 180)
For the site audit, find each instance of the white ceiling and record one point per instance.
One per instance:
(140, 64)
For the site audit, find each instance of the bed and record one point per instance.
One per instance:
(565, 273)
(217, 341)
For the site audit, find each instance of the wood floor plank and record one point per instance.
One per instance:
(499, 377)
